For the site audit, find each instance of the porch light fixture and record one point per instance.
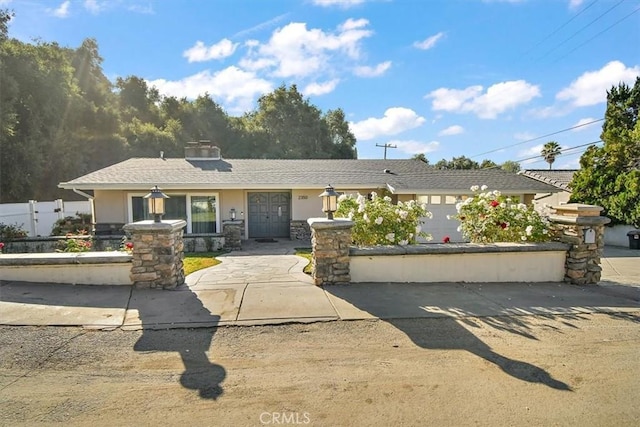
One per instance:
(232, 214)
(329, 201)
(156, 203)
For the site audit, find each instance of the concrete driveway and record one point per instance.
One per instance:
(265, 284)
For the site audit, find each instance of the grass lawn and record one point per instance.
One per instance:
(194, 261)
(305, 253)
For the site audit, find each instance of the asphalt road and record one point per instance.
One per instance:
(578, 369)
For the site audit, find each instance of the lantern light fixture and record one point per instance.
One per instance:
(156, 203)
(329, 201)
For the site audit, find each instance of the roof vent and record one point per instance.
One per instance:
(387, 171)
(201, 150)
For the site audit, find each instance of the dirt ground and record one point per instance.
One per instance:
(557, 370)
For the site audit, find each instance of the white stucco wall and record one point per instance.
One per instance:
(235, 199)
(547, 266)
(617, 235)
(74, 274)
(111, 206)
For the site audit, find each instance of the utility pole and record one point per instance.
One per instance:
(385, 148)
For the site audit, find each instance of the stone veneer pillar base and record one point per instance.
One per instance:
(583, 228)
(158, 250)
(232, 230)
(330, 241)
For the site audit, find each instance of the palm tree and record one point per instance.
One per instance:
(550, 151)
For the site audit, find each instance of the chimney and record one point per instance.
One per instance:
(201, 150)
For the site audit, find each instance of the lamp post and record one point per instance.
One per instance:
(329, 201)
(156, 203)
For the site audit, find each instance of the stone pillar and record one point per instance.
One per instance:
(583, 228)
(158, 250)
(232, 230)
(330, 241)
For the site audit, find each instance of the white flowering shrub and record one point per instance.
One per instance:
(377, 221)
(490, 217)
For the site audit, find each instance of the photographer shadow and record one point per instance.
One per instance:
(178, 321)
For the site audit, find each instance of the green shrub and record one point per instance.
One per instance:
(11, 232)
(74, 225)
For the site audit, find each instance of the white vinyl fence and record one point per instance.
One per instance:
(38, 218)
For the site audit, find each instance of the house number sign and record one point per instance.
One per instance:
(303, 197)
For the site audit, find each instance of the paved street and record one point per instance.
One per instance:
(410, 354)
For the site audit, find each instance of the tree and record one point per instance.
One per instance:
(420, 156)
(609, 175)
(461, 162)
(550, 151)
(296, 129)
(510, 166)
(488, 164)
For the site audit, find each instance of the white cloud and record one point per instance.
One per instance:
(395, 120)
(200, 53)
(62, 11)
(295, 51)
(232, 86)
(497, 99)
(591, 87)
(378, 70)
(582, 124)
(531, 151)
(320, 88)
(429, 42)
(451, 130)
(524, 136)
(574, 4)
(416, 147)
(94, 6)
(341, 3)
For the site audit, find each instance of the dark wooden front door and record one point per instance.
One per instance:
(269, 214)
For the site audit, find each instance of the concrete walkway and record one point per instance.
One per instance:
(265, 284)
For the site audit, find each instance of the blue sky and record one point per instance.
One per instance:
(477, 78)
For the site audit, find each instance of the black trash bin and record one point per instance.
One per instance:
(634, 239)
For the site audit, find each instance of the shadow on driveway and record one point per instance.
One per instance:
(192, 344)
(458, 308)
(172, 321)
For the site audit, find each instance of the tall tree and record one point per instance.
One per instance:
(609, 176)
(510, 166)
(344, 141)
(461, 162)
(420, 156)
(550, 151)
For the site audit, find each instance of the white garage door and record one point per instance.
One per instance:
(439, 226)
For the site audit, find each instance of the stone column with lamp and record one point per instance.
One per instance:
(158, 247)
(582, 227)
(330, 240)
(232, 230)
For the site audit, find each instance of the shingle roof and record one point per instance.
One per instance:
(559, 178)
(405, 176)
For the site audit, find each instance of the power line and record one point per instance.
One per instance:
(563, 152)
(581, 29)
(537, 138)
(560, 27)
(601, 32)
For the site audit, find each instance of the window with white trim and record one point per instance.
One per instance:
(199, 210)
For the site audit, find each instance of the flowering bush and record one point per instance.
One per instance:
(380, 222)
(75, 243)
(126, 245)
(490, 217)
(1, 247)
